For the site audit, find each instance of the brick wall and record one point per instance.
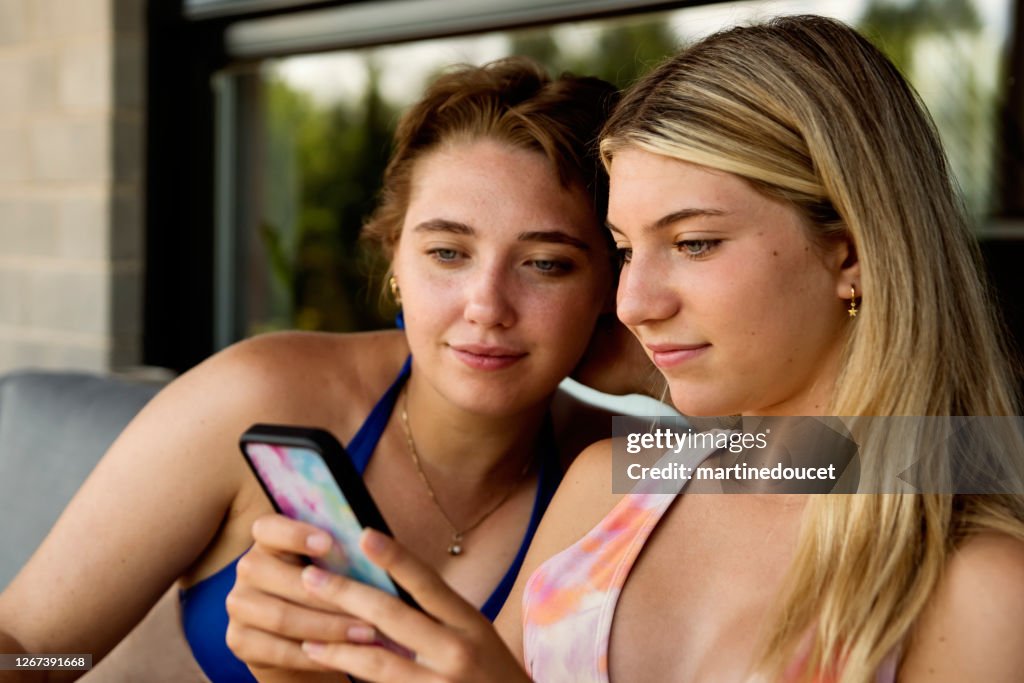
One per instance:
(71, 162)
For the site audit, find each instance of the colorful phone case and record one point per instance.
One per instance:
(309, 477)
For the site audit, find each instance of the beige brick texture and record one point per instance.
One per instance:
(71, 150)
(15, 164)
(82, 228)
(14, 21)
(13, 298)
(27, 82)
(84, 76)
(72, 78)
(66, 301)
(62, 19)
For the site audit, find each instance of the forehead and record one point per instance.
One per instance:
(645, 187)
(637, 175)
(488, 184)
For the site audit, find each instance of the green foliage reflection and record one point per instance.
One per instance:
(324, 163)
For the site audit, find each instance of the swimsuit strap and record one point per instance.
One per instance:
(362, 445)
(548, 477)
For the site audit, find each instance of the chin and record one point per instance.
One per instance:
(490, 401)
(692, 402)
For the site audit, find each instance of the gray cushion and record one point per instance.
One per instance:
(54, 427)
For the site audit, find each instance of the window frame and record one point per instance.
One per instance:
(191, 281)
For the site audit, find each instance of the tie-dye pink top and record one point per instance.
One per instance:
(569, 601)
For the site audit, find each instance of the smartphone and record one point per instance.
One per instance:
(309, 477)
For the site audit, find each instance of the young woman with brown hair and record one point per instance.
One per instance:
(491, 218)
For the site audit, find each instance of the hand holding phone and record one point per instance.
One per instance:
(309, 477)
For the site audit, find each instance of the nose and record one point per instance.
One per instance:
(488, 298)
(646, 294)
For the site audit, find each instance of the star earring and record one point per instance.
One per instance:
(852, 310)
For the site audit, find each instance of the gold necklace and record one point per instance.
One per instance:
(455, 547)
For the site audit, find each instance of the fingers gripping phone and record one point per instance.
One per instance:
(309, 477)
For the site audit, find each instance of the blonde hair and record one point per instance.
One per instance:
(808, 111)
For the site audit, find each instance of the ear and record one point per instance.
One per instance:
(847, 268)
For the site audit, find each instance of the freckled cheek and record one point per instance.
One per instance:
(430, 305)
(734, 308)
(556, 306)
(432, 294)
(562, 316)
(775, 329)
(807, 287)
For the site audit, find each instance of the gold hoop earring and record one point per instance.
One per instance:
(852, 310)
(395, 292)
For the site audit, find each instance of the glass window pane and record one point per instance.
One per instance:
(315, 130)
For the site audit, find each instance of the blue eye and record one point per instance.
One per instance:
(444, 255)
(697, 249)
(551, 266)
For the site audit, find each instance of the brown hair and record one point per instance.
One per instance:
(514, 101)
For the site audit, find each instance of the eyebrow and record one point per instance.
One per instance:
(554, 237)
(672, 218)
(444, 225)
(551, 236)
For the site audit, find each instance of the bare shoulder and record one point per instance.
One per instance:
(286, 358)
(305, 370)
(972, 630)
(177, 469)
(322, 379)
(583, 499)
(589, 475)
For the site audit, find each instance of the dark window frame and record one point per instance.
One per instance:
(187, 47)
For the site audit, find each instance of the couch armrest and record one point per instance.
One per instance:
(54, 427)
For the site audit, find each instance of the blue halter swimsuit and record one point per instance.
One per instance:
(205, 618)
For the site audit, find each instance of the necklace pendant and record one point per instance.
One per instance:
(455, 548)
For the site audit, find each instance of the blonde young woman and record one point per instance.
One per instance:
(492, 218)
(792, 245)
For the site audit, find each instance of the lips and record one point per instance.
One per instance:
(670, 355)
(487, 357)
